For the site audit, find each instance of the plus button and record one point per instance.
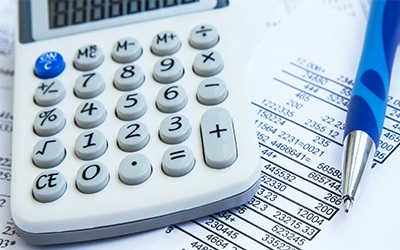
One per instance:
(218, 131)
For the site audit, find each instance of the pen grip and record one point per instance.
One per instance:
(369, 97)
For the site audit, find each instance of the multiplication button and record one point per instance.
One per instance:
(88, 57)
(203, 36)
(89, 85)
(49, 186)
(208, 63)
(90, 145)
(48, 153)
(49, 92)
(49, 122)
(134, 169)
(126, 50)
(92, 177)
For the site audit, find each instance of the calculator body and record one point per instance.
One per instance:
(161, 198)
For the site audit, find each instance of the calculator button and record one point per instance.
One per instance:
(90, 114)
(178, 161)
(49, 122)
(175, 129)
(48, 153)
(128, 77)
(126, 50)
(165, 43)
(212, 91)
(90, 145)
(171, 99)
(92, 177)
(218, 138)
(49, 65)
(203, 36)
(134, 169)
(49, 186)
(208, 63)
(131, 106)
(167, 70)
(88, 57)
(49, 92)
(89, 85)
(133, 137)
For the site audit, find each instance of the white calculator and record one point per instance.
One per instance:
(129, 115)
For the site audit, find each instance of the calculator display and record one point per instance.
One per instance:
(65, 12)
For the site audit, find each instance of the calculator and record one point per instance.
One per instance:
(129, 115)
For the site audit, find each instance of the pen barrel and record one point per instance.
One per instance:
(367, 108)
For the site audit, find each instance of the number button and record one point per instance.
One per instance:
(90, 114)
(49, 122)
(165, 43)
(128, 77)
(203, 36)
(131, 106)
(175, 129)
(88, 57)
(171, 99)
(178, 161)
(49, 186)
(126, 50)
(49, 65)
(90, 145)
(49, 92)
(48, 153)
(92, 177)
(133, 137)
(134, 169)
(168, 70)
(212, 91)
(208, 63)
(89, 85)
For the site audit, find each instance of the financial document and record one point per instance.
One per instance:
(300, 78)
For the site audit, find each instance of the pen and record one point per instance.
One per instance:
(367, 107)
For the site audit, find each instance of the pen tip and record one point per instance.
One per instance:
(347, 205)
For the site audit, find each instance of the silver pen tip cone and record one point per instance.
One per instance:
(347, 205)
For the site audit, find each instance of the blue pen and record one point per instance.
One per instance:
(367, 108)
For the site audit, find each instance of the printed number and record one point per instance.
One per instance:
(131, 98)
(168, 63)
(177, 123)
(170, 94)
(89, 142)
(128, 71)
(88, 109)
(132, 133)
(87, 79)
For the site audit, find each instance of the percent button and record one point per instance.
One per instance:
(49, 122)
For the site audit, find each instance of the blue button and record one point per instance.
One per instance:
(49, 64)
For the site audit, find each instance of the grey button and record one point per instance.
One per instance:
(131, 106)
(175, 129)
(218, 138)
(171, 99)
(90, 114)
(49, 122)
(165, 43)
(89, 85)
(128, 77)
(167, 70)
(203, 36)
(48, 153)
(208, 63)
(88, 57)
(92, 177)
(178, 161)
(212, 91)
(134, 169)
(49, 186)
(133, 136)
(90, 145)
(49, 92)
(126, 50)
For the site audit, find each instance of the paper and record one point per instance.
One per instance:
(300, 82)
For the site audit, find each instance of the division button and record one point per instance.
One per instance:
(49, 186)
(49, 65)
(212, 91)
(171, 99)
(49, 122)
(203, 36)
(131, 106)
(126, 50)
(92, 177)
(168, 70)
(178, 161)
(88, 57)
(165, 43)
(89, 85)
(128, 77)
(48, 153)
(90, 145)
(90, 114)
(133, 137)
(134, 169)
(49, 92)
(175, 129)
(218, 138)
(208, 63)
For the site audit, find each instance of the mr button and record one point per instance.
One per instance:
(49, 186)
